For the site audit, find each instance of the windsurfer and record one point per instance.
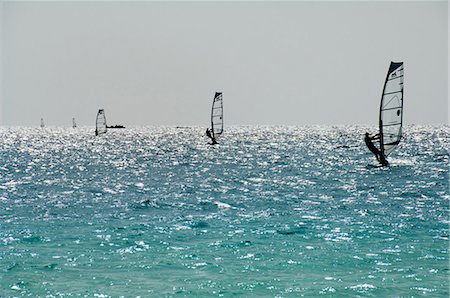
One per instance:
(209, 135)
(380, 157)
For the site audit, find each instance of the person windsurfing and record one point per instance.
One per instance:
(210, 135)
(378, 154)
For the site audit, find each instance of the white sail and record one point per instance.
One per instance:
(42, 123)
(100, 123)
(74, 124)
(217, 115)
(391, 109)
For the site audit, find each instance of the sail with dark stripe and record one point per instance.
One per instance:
(217, 115)
(100, 123)
(391, 109)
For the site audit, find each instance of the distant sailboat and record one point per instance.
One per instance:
(74, 124)
(42, 123)
(100, 123)
(391, 114)
(216, 118)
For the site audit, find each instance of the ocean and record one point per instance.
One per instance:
(273, 211)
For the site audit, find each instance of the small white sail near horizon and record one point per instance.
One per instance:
(100, 123)
(217, 115)
(391, 109)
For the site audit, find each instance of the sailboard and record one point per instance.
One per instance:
(42, 123)
(217, 115)
(100, 123)
(74, 124)
(391, 110)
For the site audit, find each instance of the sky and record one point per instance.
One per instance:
(277, 63)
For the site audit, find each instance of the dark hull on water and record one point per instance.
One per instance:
(116, 126)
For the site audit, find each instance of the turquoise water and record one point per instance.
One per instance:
(270, 212)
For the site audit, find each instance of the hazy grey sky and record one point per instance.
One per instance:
(155, 63)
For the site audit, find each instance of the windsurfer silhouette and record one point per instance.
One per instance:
(380, 156)
(213, 139)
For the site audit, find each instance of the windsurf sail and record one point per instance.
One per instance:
(42, 123)
(100, 123)
(74, 124)
(391, 109)
(217, 115)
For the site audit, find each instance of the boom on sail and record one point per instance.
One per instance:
(100, 123)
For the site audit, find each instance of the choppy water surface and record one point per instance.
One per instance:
(271, 211)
